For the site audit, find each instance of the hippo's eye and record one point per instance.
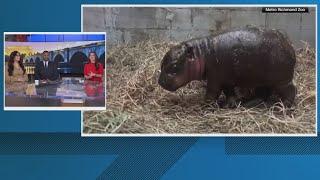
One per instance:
(174, 68)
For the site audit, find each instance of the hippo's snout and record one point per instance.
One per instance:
(164, 83)
(161, 81)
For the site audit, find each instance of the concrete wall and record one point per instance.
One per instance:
(132, 24)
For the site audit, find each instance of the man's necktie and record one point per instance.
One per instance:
(46, 68)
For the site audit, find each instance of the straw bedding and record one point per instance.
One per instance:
(137, 104)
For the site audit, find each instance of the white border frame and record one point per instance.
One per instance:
(217, 134)
(53, 108)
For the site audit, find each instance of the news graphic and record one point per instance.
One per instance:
(170, 90)
(54, 70)
(206, 70)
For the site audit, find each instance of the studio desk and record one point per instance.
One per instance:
(68, 92)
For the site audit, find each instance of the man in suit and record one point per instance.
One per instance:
(46, 70)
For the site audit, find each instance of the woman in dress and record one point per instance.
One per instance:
(15, 69)
(93, 70)
(15, 76)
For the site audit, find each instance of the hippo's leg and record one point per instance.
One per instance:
(213, 94)
(213, 90)
(231, 98)
(287, 93)
(261, 94)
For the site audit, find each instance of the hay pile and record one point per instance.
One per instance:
(137, 104)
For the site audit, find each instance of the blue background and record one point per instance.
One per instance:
(47, 145)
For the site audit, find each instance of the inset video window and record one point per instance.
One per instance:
(206, 70)
(50, 71)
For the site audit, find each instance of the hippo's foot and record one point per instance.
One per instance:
(253, 102)
(231, 102)
(257, 97)
(212, 97)
(287, 94)
(209, 97)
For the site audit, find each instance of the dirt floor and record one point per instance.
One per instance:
(137, 104)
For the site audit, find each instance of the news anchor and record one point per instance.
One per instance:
(93, 70)
(46, 70)
(15, 69)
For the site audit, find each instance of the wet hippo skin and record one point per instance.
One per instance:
(248, 57)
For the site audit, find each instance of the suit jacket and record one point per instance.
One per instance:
(43, 73)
